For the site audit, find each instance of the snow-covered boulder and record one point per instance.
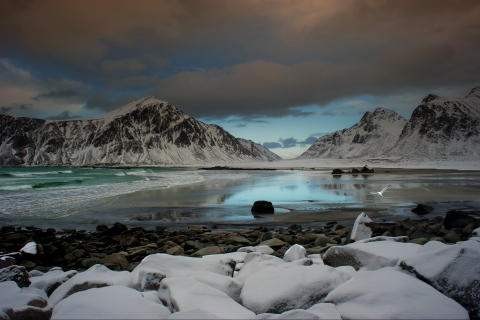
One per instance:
(15, 273)
(453, 270)
(30, 248)
(51, 280)
(390, 294)
(17, 304)
(360, 230)
(261, 249)
(96, 276)
(317, 311)
(195, 313)
(255, 262)
(238, 256)
(181, 294)
(179, 265)
(369, 255)
(149, 279)
(113, 302)
(228, 285)
(289, 286)
(295, 252)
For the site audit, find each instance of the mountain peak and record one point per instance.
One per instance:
(474, 93)
(429, 98)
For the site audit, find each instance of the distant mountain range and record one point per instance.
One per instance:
(144, 132)
(439, 129)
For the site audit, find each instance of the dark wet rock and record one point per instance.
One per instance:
(420, 241)
(451, 237)
(420, 233)
(129, 242)
(15, 273)
(322, 241)
(15, 238)
(102, 227)
(338, 171)
(306, 238)
(457, 219)
(262, 206)
(422, 209)
(6, 261)
(355, 170)
(116, 259)
(367, 169)
(273, 243)
(208, 251)
(116, 230)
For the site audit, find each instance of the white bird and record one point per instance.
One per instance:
(381, 192)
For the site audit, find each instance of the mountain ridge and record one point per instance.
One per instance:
(143, 132)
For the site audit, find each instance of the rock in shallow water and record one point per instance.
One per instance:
(262, 206)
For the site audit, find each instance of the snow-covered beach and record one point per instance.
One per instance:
(412, 269)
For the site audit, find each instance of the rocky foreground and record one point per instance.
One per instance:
(415, 268)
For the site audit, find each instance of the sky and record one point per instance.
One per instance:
(280, 73)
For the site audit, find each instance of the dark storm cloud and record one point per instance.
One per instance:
(272, 145)
(66, 93)
(20, 106)
(252, 57)
(64, 115)
(100, 102)
(289, 142)
(309, 141)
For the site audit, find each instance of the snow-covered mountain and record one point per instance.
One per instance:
(372, 136)
(442, 129)
(260, 150)
(439, 129)
(143, 132)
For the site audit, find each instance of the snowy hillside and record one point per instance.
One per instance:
(260, 150)
(442, 129)
(143, 132)
(372, 136)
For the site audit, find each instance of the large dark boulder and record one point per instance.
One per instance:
(117, 229)
(422, 209)
(456, 219)
(337, 171)
(262, 206)
(367, 169)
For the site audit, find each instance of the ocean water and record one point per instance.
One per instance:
(53, 193)
(69, 197)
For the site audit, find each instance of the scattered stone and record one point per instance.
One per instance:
(207, 251)
(422, 209)
(6, 261)
(15, 273)
(367, 169)
(116, 259)
(456, 219)
(273, 243)
(295, 252)
(262, 206)
(338, 171)
(323, 240)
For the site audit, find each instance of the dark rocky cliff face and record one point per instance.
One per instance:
(144, 132)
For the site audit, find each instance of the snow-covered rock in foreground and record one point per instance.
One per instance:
(182, 266)
(95, 277)
(261, 249)
(453, 270)
(372, 136)
(30, 248)
(317, 311)
(255, 262)
(295, 252)
(289, 286)
(114, 302)
(372, 255)
(390, 294)
(51, 280)
(17, 304)
(181, 294)
(228, 285)
(360, 230)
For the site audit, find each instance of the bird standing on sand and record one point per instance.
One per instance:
(381, 192)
